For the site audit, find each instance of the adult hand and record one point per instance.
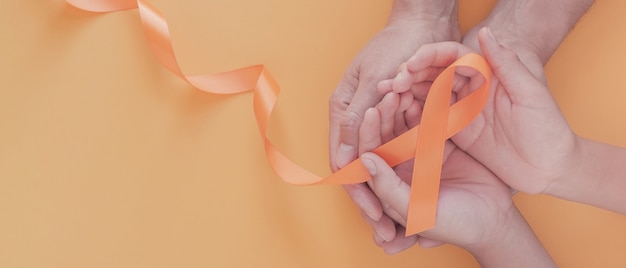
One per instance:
(377, 61)
(411, 24)
(533, 29)
(475, 210)
(473, 203)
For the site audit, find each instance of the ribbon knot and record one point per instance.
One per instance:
(424, 143)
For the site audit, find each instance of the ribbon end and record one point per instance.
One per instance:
(418, 226)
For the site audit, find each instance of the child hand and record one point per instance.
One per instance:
(473, 201)
(521, 135)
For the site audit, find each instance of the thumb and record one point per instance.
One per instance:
(518, 81)
(392, 191)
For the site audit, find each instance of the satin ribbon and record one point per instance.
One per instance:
(423, 143)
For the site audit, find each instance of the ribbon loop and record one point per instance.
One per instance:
(422, 143)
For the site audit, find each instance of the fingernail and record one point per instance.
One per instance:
(369, 165)
(401, 75)
(345, 154)
(382, 236)
(378, 239)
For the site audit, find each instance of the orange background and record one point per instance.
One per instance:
(109, 160)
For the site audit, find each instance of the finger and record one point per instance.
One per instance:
(389, 188)
(369, 131)
(436, 55)
(403, 81)
(413, 114)
(399, 217)
(400, 242)
(387, 109)
(365, 199)
(401, 67)
(338, 104)
(400, 124)
(385, 227)
(378, 240)
(405, 101)
(369, 139)
(347, 122)
(427, 63)
(428, 243)
(466, 80)
(421, 87)
(519, 82)
(385, 86)
(420, 90)
(404, 170)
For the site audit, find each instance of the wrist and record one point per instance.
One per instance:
(426, 17)
(411, 11)
(534, 28)
(569, 183)
(513, 244)
(496, 236)
(596, 176)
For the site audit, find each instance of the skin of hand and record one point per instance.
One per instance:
(396, 113)
(475, 209)
(534, 43)
(407, 30)
(529, 26)
(411, 24)
(475, 213)
(512, 136)
(521, 135)
(470, 194)
(379, 126)
(534, 29)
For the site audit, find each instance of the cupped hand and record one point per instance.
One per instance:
(356, 92)
(473, 202)
(521, 135)
(377, 61)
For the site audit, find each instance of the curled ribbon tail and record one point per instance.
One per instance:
(103, 5)
(422, 143)
(265, 96)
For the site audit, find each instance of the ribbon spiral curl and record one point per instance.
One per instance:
(423, 143)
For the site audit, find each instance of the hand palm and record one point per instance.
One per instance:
(469, 195)
(377, 61)
(520, 135)
(517, 139)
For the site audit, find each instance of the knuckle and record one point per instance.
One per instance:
(369, 77)
(343, 93)
(350, 120)
(386, 206)
(340, 98)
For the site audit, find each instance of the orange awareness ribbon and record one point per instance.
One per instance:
(424, 143)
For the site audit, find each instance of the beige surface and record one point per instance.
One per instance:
(108, 160)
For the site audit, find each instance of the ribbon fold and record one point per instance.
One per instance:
(423, 143)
